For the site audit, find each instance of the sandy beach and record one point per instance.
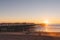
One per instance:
(26, 37)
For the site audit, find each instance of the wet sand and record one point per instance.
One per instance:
(26, 37)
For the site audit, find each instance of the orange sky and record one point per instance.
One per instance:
(50, 20)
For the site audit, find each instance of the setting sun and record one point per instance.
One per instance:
(46, 21)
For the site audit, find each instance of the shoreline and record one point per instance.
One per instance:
(53, 34)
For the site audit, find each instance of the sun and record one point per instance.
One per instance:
(46, 21)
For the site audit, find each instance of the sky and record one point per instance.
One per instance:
(30, 11)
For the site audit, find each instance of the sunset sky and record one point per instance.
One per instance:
(30, 11)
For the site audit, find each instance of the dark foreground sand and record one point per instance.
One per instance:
(26, 37)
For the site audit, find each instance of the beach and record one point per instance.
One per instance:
(26, 37)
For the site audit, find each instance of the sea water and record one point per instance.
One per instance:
(53, 28)
(49, 28)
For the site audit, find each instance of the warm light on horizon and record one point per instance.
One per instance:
(38, 21)
(46, 21)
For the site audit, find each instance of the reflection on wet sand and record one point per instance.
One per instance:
(27, 37)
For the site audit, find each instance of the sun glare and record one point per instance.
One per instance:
(46, 21)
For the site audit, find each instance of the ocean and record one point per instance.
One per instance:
(48, 28)
(53, 28)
